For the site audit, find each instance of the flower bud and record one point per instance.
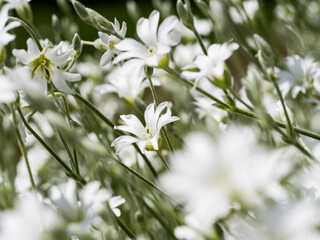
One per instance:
(133, 10)
(225, 81)
(185, 14)
(148, 71)
(77, 44)
(56, 24)
(64, 6)
(98, 44)
(82, 11)
(100, 22)
(25, 12)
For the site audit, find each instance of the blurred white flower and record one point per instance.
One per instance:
(204, 105)
(5, 36)
(111, 41)
(288, 221)
(203, 26)
(128, 81)
(146, 137)
(43, 66)
(299, 76)
(114, 203)
(239, 16)
(210, 175)
(37, 156)
(157, 43)
(210, 66)
(17, 4)
(184, 54)
(30, 219)
(7, 89)
(81, 208)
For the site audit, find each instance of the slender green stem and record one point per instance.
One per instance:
(28, 29)
(158, 217)
(65, 145)
(239, 99)
(65, 111)
(163, 160)
(290, 127)
(93, 109)
(88, 43)
(176, 75)
(122, 225)
(46, 146)
(138, 175)
(198, 37)
(75, 157)
(153, 91)
(163, 130)
(240, 111)
(25, 156)
(280, 124)
(23, 148)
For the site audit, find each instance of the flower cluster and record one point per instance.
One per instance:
(165, 127)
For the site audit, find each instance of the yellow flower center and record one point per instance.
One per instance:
(41, 66)
(111, 44)
(152, 50)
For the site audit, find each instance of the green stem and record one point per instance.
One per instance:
(163, 130)
(239, 99)
(23, 148)
(28, 29)
(163, 160)
(280, 124)
(93, 109)
(153, 91)
(198, 37)
(46, 146)
(122, 225)
(240, 111)
(65, 145)
(138, 175)
(290, 127)
(25, 156)
(176, 75)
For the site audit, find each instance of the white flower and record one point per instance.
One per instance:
(210, 175)
(17, 4)
(5, 36)
(30, 219)
(44, 66)
(37, 156)
(184, 54)
(239, 16)
(7, 90)
(82, 207)
(204, 105)
(156, 42)
(128, 81)
(111, 41)
(211, 66)
(299, 76)
(114, 203)
(146, 137)
(203, 26)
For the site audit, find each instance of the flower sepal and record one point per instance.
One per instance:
(225, 81)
